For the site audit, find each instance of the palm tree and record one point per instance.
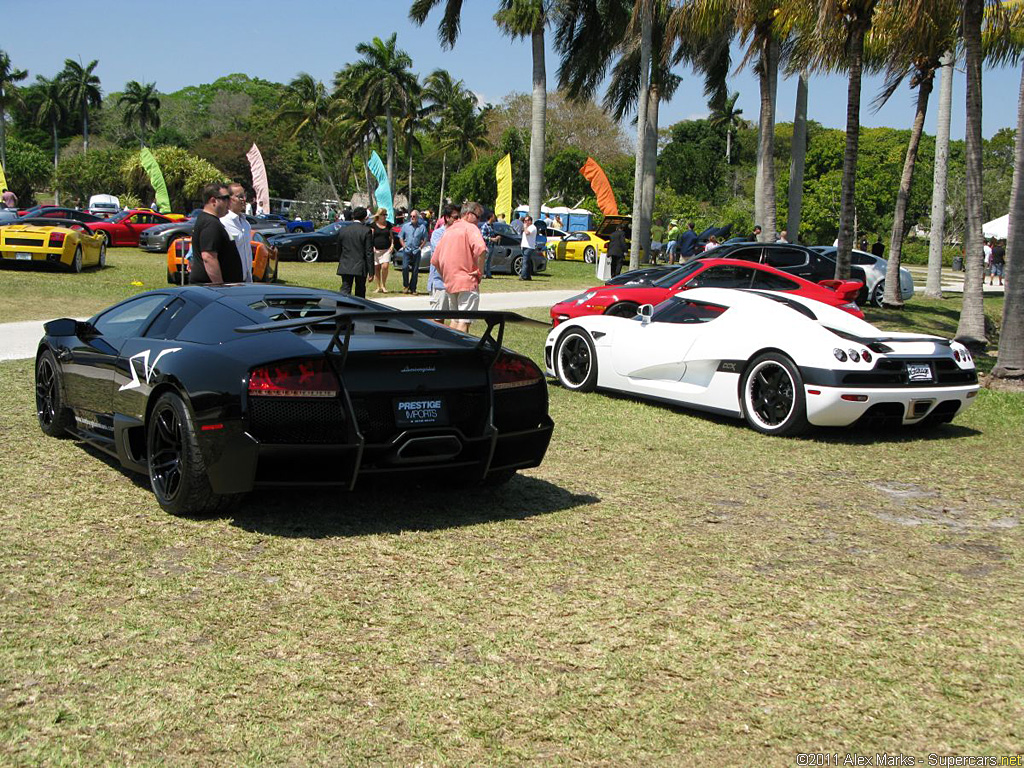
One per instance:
(912, 41)
(933, 287)
(385, 84)
(971, 329)
(305, 111)
(518, 19)
(798, 160)
(725, 115)
(443, 95)
(142, 107)
(8, 97)
(50, 112)
(81, 90)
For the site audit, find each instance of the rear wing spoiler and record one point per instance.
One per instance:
(344, 321)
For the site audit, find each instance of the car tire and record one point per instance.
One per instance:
(772, 396)
(106, 237)
(54, 417)
(626, 309)
(517, 265)
(878, 293)
(576, 361)
(299, 230)
(103, 255)
(177, 471)
(76, 260)
(309, 253)
(277, 266)
(590, 254)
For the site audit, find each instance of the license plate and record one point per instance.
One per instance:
(919, 372)
(22, 256)
(420, 411)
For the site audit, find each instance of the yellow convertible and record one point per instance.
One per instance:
(587, 246)
(70, 244)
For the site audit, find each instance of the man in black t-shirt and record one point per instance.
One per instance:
(214, 255)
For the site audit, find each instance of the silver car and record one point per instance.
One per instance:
(874, 274)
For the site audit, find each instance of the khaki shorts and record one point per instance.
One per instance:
(464, 301)
(439, 301)
(382, 256)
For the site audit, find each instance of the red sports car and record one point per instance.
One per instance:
(124, 228)
(625, 300)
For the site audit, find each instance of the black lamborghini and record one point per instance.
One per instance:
(215, 391)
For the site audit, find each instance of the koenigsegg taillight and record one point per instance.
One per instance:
(56, 239)
(511, 371)
(294, 378)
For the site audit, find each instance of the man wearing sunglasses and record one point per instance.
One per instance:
(215, 257)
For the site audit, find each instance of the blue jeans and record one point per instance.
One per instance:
(527, 270)
(410, 264)
(487, 261)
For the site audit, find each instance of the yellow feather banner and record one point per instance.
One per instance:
(503, 175)
(3, 180)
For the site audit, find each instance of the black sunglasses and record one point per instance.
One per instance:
(223, 197)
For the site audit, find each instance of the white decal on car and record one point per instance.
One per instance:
(139, 364)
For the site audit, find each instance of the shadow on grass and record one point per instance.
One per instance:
(386, 509)
(386, 506)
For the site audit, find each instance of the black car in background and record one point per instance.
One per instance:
(789, 257)
(318, 245)
(159, 238)
(215, 391)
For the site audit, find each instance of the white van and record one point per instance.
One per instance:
(104, 205)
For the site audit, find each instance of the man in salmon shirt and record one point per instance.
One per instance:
(459, 258)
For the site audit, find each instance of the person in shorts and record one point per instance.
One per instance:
(383, 247)
(459, 259)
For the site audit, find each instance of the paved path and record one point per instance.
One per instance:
(952, 282)
(19, 340)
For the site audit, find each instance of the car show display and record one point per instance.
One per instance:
(781, 361)
(215, 391)
(264, 260)
(57, 242)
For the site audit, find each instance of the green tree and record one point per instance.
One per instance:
(691, 162)
(306, 112)
(9, 76)
(98, 172)
(185, 175)
(81, 89)
(49, 112)
(27, 169)
(724, 114)
(142, 107)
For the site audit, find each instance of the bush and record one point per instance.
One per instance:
(915, 251)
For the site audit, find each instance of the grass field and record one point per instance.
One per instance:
(667, 588)
(40, 295)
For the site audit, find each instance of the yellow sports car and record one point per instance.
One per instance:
(52, 241)
(587, 246)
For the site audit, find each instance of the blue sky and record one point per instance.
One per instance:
(188, 43)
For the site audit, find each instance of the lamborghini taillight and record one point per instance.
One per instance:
(511, 371)
(294, 378)
(56, 240)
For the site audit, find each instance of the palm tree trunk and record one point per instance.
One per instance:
(971, 330)
(892, 298)
(765, 209)
(1010, 363)
(798, 161)
(391, 149)
(650, 168)
(444, 167)
(323, 165)
(408, 195)
(3, 140)
(641, 139)
(846, 205)
(728, 145)
(537, 128)
(937, 235)
(85, 128)
(56, 155)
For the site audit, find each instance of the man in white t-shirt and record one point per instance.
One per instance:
(528, 244)
(238, 229)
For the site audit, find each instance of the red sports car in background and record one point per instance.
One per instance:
(625, 300)
(124, 227)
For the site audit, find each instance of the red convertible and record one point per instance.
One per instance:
(624, 300)
(124, 227)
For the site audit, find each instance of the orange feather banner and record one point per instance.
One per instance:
(599, 183)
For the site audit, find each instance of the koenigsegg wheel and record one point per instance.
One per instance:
(309, 253)
(54, 417)
(103, 255)
(177, 472)
(76, 260)
(772, 396)
(589, 254)
(626, 309)
(878, 293)
(576, 361)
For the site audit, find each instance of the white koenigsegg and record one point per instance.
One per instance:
(778, 360)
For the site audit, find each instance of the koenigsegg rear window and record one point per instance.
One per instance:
(803, 309)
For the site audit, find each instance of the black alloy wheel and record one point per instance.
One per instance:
(773, 398)
(54, 417)
(576, 361)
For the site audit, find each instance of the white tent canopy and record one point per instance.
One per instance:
(997, 228)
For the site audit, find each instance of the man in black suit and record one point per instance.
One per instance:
(617, 249)
(355, 254)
